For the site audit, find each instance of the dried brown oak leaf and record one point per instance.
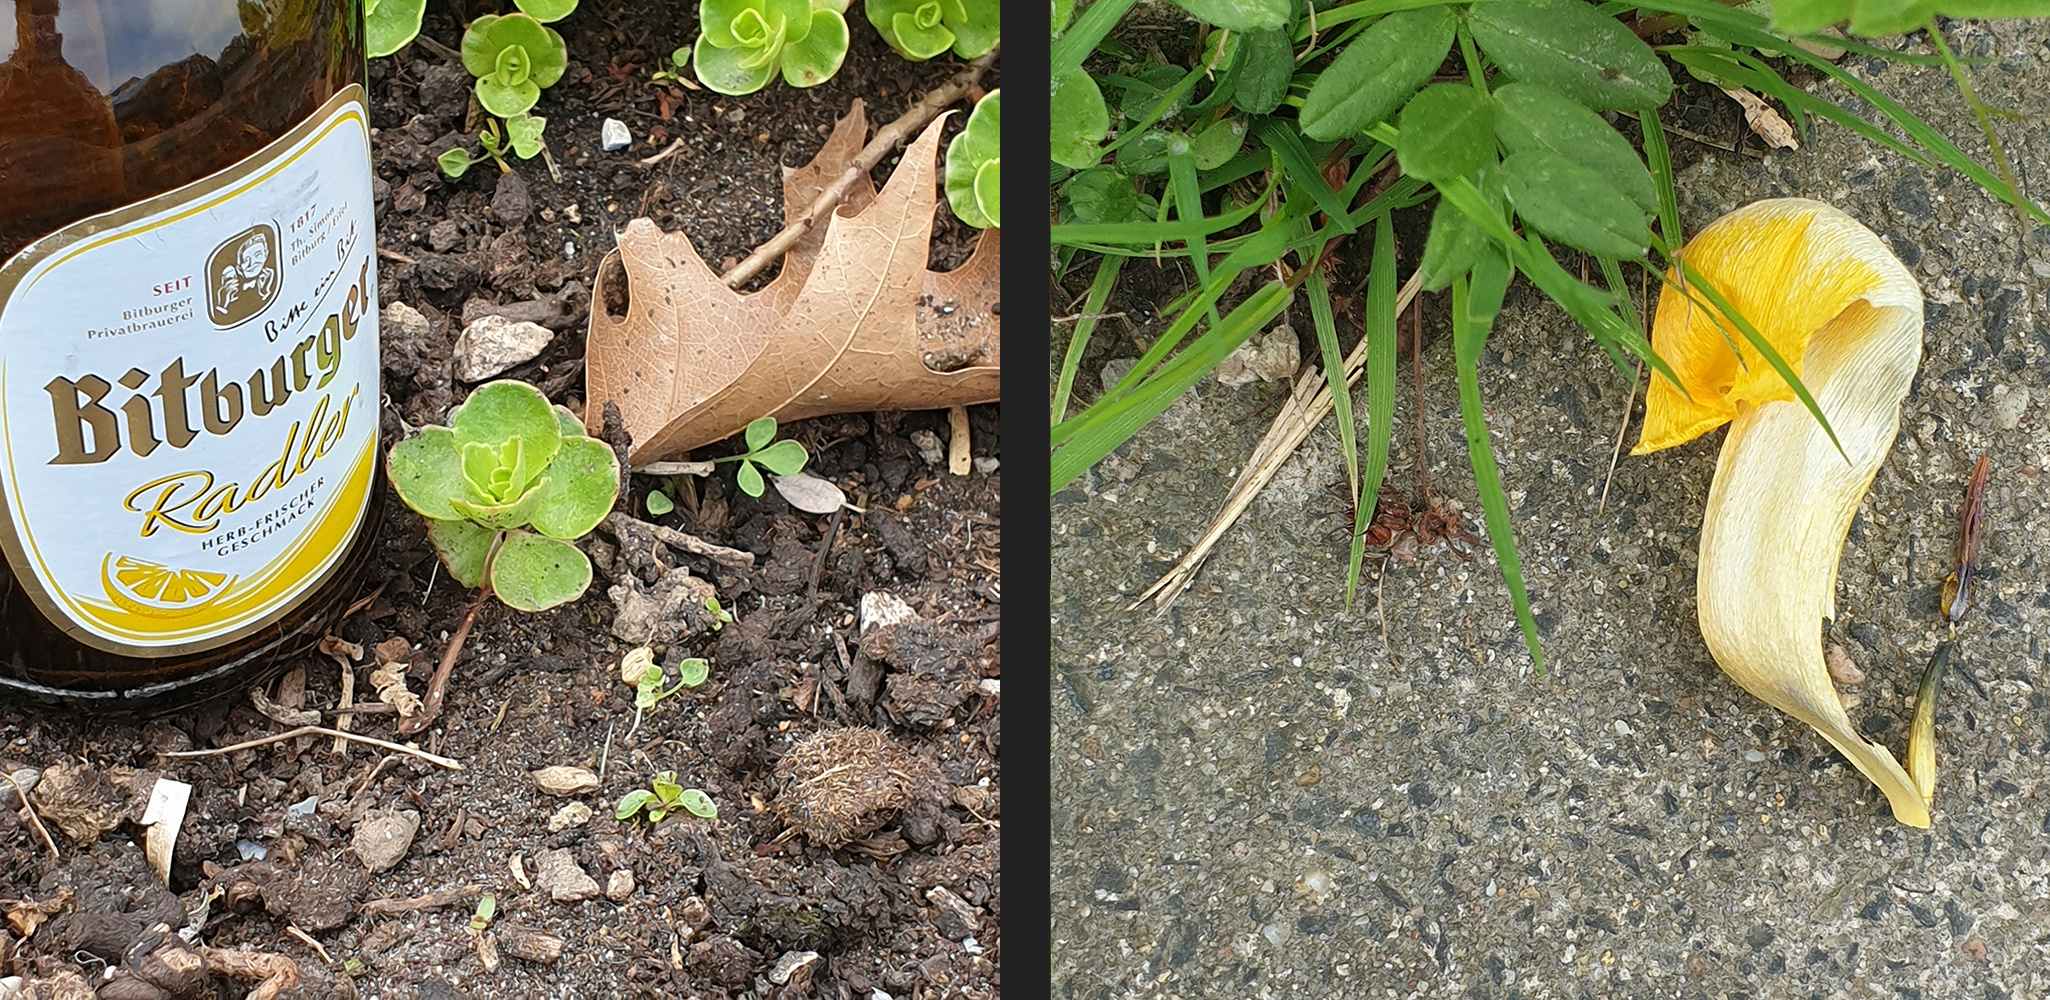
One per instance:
(849, 325)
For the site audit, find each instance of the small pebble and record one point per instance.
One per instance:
(573, 814)
(565, 780)
(383, 837)
(620, 886)
(493, 343)
(986, 464)
(251, 850)
(613, 135)
(929, 447)
(1841, 669)
(1754, 756)
(562, 878)
(789, 965)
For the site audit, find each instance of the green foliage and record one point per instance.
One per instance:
(972, 160)
(487, 907)
(922, 29)
(659, 503)
(720, 616)
(649, 692)
(522, 138)
(513, 56)
(1873, 18)
(662, 797)
(677, 61)
(745, 42)
(506, 487)
(390, 25)
(782, 458)
(1243, 151)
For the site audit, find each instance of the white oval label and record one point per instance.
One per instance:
(189, 397)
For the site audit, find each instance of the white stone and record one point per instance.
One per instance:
(493, 344)
(613, 136)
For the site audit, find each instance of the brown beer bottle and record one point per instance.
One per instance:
(189, 395)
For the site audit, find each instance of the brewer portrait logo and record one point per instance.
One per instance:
(243, 275)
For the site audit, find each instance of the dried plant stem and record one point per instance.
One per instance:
(437, 688)
(887, 138)
(293, 734)
(34, 820)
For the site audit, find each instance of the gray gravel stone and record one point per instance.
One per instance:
(559, 875)
(383, 837)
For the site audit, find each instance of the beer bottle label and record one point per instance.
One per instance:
(189, 397)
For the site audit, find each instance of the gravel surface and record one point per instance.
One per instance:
(1263, 792)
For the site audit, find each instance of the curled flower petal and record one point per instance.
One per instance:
(1847, 317)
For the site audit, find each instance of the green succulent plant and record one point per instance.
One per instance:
(747, 41)
(505, 488)
(972, 163)
(649, 692)
(390, 25)
(922, 29)
(784, 458)
(513, 56)
(522, 138)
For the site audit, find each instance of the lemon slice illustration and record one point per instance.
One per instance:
(148, 588)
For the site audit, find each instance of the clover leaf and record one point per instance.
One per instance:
(922, 29)
(524, 133)
(506, 487)
(972, 164)
(784, 458)
(512, 56)
(746, 41)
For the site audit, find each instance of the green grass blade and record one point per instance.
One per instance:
(1092, 27)
(1106, 426)
(1612, 273)
(1327, 19)
(1660, 158)
(1979, 111)
(1168, 99)
(1469, 334)
(1697, 283)
(1092, 306)
(1319, 293)
(1280, 136)
(1380, 375)
(1081, 234)
(1188, 198)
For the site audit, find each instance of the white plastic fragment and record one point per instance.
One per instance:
(163, 816)
(613, 136)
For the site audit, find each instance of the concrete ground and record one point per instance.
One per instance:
(1265, 793)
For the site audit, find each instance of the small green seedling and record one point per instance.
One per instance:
(515, 56)
(505, 488)
(487, 907)
(747, 41)
(648, 692)
(784, 458)
(972, 159)
(677, 61)
(922, 29)
(522, 134)
(390, 25)
(720, 616)
(663, 797)
(659, 503)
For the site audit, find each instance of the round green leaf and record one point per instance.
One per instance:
(1147, 154)
(505, 101)
(1574, 49)
(462, 547)
(1266, 64)
(502, 516)
(546, 10)
(480, 55)
(1217, 144)
(980, 141)
(697, 803)
(632, 802)
(750, 479)
(659, 503)
(454, 163)
(693, 671)
(427, 470)
(1099, 194)
(1536, 117)
(813, 59)
(720, 69)
(783, 458)
(1447, 131)
(760, 431)
(532, 573)
(568, 423)
(1454, 244)
(979, 30)
(1801, 17)
(524, 132)
(391, 25)
(989, 192)
(1238, 15)
(581, 485)
(916, 40)
(1385, 64)
(1079, 120)
(1574, 205)
(497, 412)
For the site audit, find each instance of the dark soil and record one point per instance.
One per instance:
(886, 870)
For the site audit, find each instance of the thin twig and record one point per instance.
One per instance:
(887, 138)
(439, 49)
(34, 820)
(437, 688)
(317, 947)
(395, 255)
(818, 565)
(1078, 317)
(343, 717)
(1622, 429)
(293, 734)
(431, 901)
(674, 146)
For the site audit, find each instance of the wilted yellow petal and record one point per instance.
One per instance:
(1848, 317)
(1790, 266)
